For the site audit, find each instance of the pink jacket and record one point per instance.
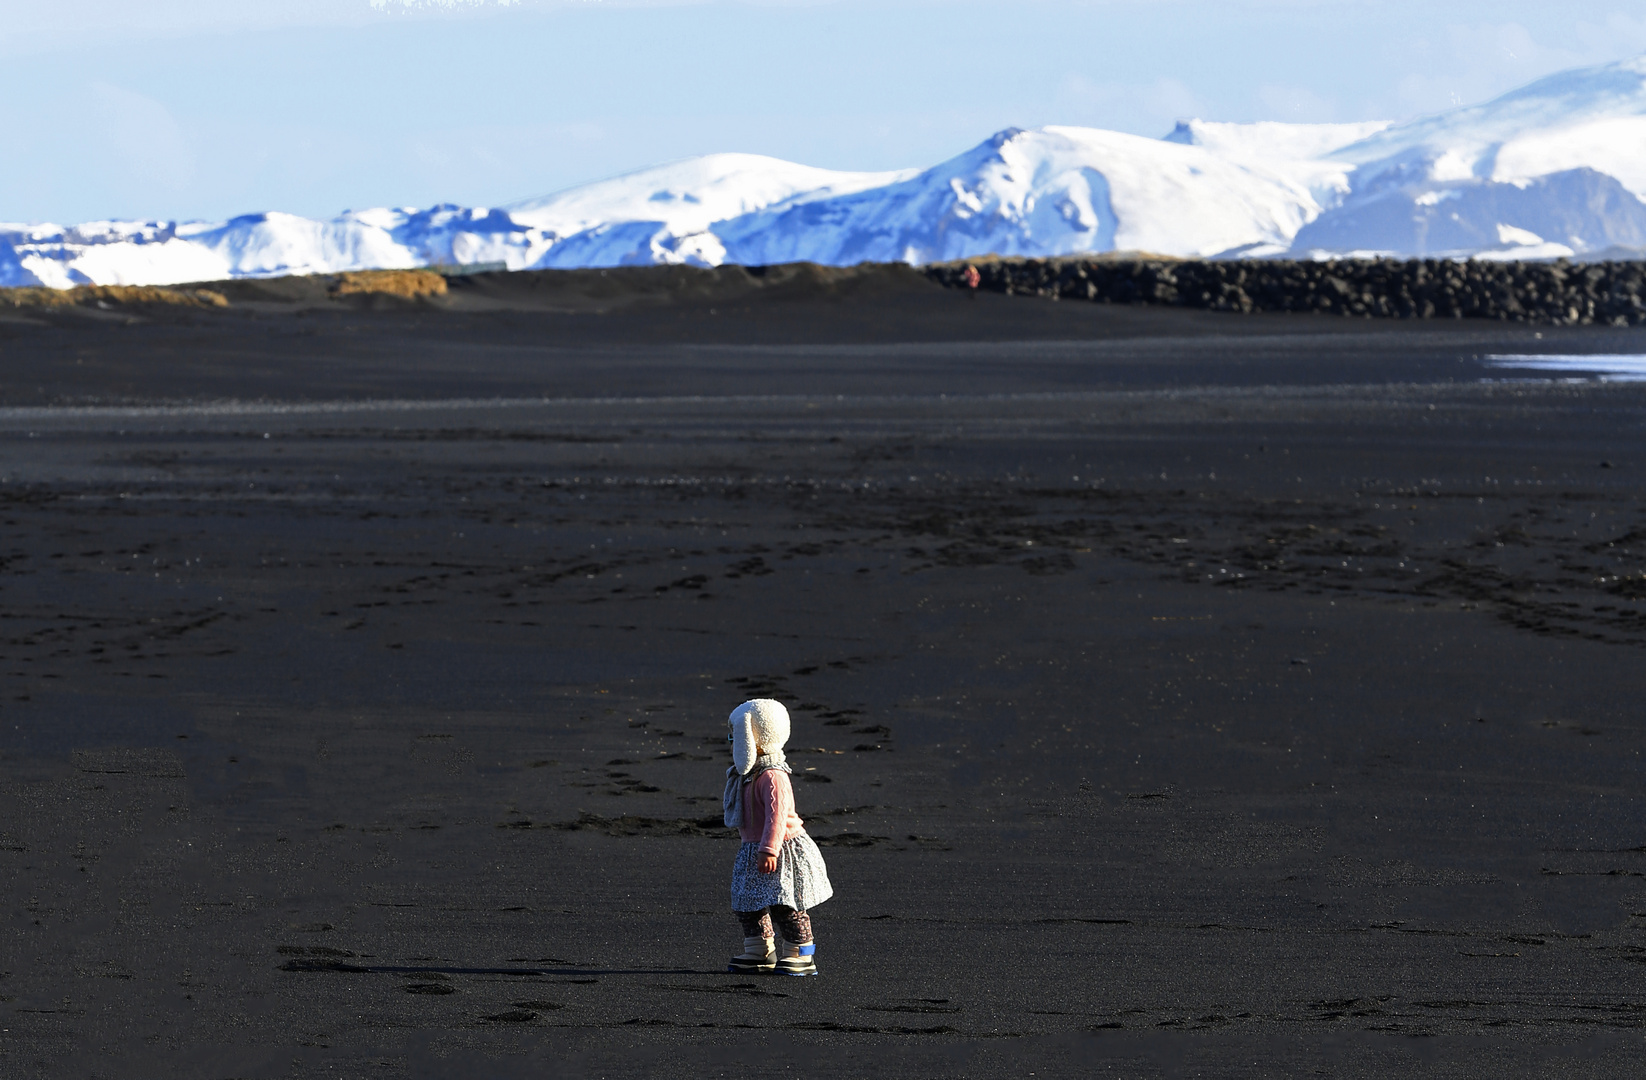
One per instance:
(768, 811)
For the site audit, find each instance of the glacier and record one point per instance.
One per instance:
(1556, 168)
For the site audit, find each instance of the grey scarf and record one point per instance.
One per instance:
(732, 802)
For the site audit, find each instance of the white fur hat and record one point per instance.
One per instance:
(760, 726)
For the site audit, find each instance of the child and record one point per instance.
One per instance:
(779, 874)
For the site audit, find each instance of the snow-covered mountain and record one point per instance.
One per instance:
(668, 214)
(1555, 168)
(658, 215)
(1053, 191)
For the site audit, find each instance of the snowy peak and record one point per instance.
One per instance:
(1270, 140)
(692, 194)
(1557, 167)
(607, 221)
(1564, 100)
(1048, 191)
(1587, 118)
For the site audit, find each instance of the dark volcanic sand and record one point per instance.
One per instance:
(1174, 693)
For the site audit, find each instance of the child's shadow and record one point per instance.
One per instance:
(328, 964)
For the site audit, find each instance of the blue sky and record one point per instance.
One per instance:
(201, 109)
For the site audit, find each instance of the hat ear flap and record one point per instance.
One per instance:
(743, 746)
(776, 735)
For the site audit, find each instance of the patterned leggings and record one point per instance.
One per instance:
(796, 925)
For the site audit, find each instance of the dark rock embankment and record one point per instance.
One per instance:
(1554, 293)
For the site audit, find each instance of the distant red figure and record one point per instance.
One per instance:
(971, 277)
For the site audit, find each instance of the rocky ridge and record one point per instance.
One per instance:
(1554, 293)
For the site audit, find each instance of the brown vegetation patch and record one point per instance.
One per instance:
(105, 295)
(408, 284)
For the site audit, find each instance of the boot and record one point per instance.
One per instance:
(759, 955)
(797, 959)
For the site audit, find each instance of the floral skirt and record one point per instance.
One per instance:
(801, 881)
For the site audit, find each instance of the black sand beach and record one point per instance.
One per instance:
(1175, 693)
